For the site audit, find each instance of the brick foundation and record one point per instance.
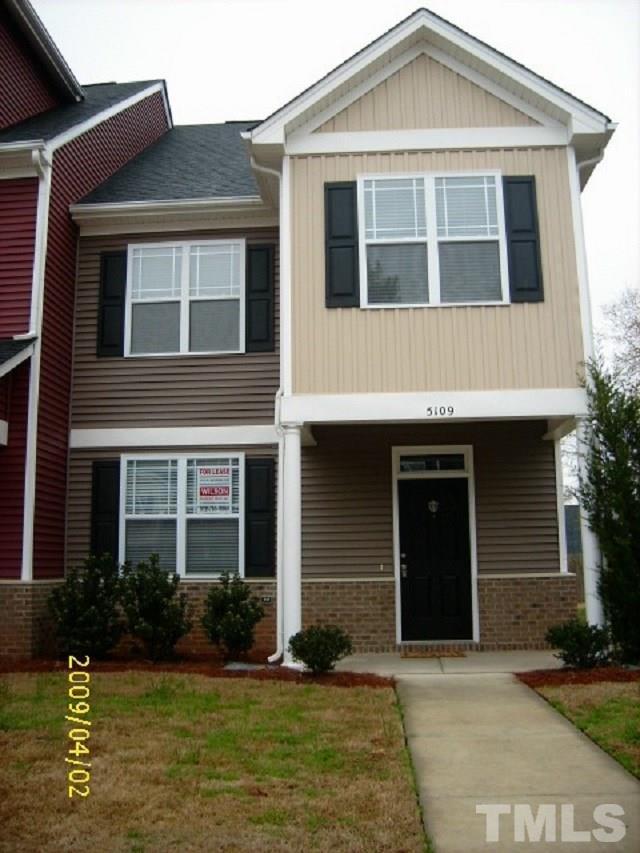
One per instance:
(364, 609)
(515, 613)
(25, 624)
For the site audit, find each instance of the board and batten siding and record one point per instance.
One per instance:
(354, 350)
(183, 390)
(79, 488)
(347, 498)
(425, 94)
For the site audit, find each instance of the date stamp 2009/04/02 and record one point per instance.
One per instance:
(79, 708)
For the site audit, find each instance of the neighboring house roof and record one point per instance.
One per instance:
(48, 125)
(12, 353)
(188, 162)
(45, 48)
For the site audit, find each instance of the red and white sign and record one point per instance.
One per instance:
(214, 487)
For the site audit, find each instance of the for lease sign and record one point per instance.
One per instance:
(214, 486)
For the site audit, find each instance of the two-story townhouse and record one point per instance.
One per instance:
(375, 421)
(176, 366)
(435, 321)
(58, 140)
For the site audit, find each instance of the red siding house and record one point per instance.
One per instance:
(58, 140)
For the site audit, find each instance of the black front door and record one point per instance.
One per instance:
(435, 559)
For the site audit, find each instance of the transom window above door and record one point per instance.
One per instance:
(432, 240)
(185, 297)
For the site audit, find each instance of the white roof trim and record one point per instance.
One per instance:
(17, 359)
(82, 212)
(584, 119)
(78, 129)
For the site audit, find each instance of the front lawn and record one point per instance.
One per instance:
(609, 713)
(189, 763)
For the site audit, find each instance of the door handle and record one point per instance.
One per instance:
(403, 570)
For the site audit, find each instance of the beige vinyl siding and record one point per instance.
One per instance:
(347, 503)
(78, 534)
(425, 94)
(169, 390)
(535, 345)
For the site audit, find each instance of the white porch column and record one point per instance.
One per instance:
(590, 549)
(292, 537)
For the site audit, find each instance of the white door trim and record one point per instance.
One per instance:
(469, 475)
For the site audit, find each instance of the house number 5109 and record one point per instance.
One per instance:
(440, 411)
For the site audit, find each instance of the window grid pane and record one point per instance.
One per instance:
(152, 487)
(156, 273)
(213, 486)
(147, 537)
(466, 207)
(470, 272)
(395, 209)
(214, 271)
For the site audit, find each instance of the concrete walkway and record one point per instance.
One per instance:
(478, 736)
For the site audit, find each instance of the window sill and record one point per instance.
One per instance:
(184, 354)
(395, 305)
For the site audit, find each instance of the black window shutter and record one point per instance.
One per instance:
(113, 282)
(523, 241)
(259, 335)
(341, 245)
(105, 507)
(259, 522)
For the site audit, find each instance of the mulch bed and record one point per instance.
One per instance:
(211, 670)
(559, 677)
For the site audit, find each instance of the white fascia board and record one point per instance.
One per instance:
(89, 212)
(421, 140)
(99, 118)
(17, 359)
(232, 436)
(466, 405)
(273, 129)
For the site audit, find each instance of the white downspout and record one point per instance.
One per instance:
(279, 652)
(591, 554)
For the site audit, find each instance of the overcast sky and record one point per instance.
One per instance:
(242, 59)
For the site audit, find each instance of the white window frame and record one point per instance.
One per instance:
(185, 299)
(432, 239)
(181, 507)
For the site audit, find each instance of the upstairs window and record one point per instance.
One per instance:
(433, 240)
(185, 298)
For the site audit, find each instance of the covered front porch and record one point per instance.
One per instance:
(440, 535)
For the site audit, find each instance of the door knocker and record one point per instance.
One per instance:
(433, 506)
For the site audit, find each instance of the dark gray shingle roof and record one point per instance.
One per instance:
(188, 162)
(11, 348)
(49, 124)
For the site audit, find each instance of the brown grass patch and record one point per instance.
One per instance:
(184, 763)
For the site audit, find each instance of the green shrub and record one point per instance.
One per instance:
(320, 647)
(85, 609)
(156, 612)
(231, 614)
(580, 645)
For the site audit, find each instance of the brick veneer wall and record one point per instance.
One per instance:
(364, 609)
(515, 613)
(25, 624)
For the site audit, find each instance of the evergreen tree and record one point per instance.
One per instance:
(610, 493)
